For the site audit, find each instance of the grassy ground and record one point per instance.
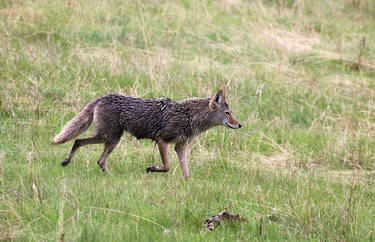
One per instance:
(301, 78)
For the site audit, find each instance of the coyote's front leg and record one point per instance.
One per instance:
(181, 153)
(163, 149)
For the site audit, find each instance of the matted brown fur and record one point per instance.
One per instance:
(162, 120)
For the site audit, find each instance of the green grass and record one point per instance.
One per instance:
(301, 168)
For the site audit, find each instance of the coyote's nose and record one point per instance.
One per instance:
(239, 125)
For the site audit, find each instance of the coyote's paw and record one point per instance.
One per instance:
(102, 166)
(65, 162)
(150, 168)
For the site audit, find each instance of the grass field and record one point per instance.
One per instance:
(300, 77)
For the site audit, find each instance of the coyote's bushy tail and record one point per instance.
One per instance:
(77, 125)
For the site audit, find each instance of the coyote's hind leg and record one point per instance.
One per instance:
(81, 142)
(108, 148)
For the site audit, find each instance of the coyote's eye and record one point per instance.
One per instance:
(227, 112)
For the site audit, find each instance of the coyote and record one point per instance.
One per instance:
(162, 120)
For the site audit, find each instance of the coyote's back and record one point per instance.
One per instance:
(143, 118)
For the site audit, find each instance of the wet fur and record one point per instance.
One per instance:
(162, 120)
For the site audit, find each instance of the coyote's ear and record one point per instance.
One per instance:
(218, 98)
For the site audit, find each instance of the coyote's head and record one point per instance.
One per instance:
(221, 114)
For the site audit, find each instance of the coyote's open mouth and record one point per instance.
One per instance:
(233, 126)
